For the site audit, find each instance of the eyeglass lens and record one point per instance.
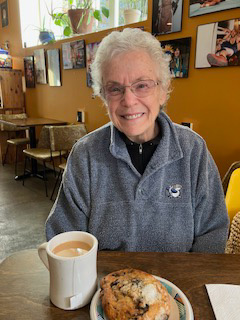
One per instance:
(140, 88)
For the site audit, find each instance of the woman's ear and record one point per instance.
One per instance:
(162, 96)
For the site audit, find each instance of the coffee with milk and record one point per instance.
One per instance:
(71, 249)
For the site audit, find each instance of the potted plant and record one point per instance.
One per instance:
(82, 15)
(61, 19)
(79, 17)
(45, 35)
(131, 12)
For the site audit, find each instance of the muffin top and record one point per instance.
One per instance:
(131, 294)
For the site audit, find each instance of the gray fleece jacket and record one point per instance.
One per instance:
(177, 205)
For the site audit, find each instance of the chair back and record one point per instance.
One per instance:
(9, 127)
(233, 194)
(233, 243)
(62, 138)
(228, 174)
(44, 138)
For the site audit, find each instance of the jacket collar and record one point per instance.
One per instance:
(168, 150)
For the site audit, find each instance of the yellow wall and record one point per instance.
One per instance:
(208, 97)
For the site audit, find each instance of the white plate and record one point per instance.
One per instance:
(179, 299)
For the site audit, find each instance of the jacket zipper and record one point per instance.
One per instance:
(140, 149)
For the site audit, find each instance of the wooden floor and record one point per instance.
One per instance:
(23, 211)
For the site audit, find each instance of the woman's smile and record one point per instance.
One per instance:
(133, 115)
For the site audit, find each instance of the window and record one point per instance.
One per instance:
(52, 16)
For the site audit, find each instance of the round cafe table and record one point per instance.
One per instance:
(24, 280)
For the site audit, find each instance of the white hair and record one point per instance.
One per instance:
(124, 41)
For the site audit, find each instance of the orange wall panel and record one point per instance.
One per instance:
(209, 98)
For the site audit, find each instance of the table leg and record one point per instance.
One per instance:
(33, 144)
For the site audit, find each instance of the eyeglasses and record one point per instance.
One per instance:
(141, 89)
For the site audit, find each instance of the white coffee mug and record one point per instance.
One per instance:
(73, 281)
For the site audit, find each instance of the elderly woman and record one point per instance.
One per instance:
(140, 182)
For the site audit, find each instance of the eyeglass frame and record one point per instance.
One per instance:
(123, 89)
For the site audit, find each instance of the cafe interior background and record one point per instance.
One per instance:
(208, 98)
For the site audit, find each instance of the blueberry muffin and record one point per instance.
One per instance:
(131, 294)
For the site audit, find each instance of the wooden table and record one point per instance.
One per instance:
(24, 280)
(32, 123)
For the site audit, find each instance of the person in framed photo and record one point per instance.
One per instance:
(206, 3)
(164, 17)
(227, 48)
(140, 182)
(176, 64)
(165, 11)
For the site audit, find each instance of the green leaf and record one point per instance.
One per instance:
(97, 15)
(80, 21)
(58, 22)
(67, 31)
(105, 12)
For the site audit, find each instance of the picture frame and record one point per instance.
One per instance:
(53, 61)
(40, 66)
(218, 44)
(201, 7)
(4, 13)
(166, 16)
(29, 71)
(91, 50)
(179, 51)
(73, 55)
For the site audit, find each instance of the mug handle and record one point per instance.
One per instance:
(43, 254)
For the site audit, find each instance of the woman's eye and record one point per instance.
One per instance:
(141, 86)
(114, 89)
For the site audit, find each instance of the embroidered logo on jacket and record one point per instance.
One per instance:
(174, 191)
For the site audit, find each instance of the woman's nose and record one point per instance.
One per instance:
(128, 97)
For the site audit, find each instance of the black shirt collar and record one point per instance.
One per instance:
(154, 141)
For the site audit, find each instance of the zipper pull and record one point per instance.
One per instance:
(140, 149)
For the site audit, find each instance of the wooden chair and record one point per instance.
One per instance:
(13, 133)
(17, 142)
(42, 153)
(63, 138)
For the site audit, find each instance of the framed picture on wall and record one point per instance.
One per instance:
(53, 59)
(29, 71)
(179, 52)
(91, 50)
(73, 54)
(200, 7)
(40, 66)
(166, 16)
(4, 13)
(218, 44)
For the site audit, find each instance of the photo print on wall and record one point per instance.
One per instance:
(200, 7)
(29, 71)
(91, 50)
(40, 66)
(54, 76)
(179, 53)
(73, 55)
(4, 13)
(167, 16)
(218, 44)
